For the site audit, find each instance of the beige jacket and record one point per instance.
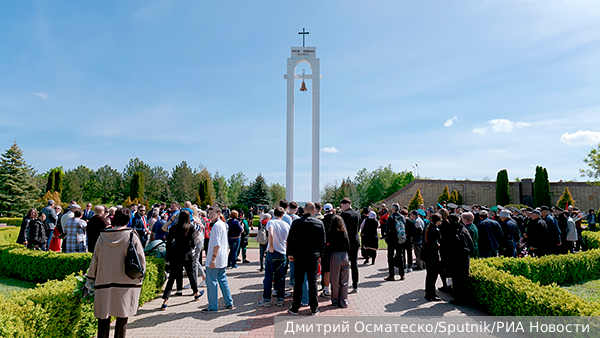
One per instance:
(116, 294)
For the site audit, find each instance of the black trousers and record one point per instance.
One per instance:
(395, 256)
(432, 275)
(104, 327)
(353, 256)
(177, 275)
(408, 254)
(460, 277)
(309, 266)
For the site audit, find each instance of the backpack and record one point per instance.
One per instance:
(571, 230)
(262, 237)
(400, 228)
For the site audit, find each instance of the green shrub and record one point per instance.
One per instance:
(560, 269)
(14, 221)
(592, 239)
(503, 294)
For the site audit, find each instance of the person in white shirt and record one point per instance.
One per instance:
(278, 230)
(216, 259)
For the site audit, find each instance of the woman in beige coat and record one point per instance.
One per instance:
(116, 295)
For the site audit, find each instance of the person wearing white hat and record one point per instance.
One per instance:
(511, 232)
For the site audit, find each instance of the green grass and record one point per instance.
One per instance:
(253, 244)
(589, 290)
(10, 285)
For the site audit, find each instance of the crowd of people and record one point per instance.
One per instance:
(315, 243)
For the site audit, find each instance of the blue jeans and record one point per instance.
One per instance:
(216, 278)
(234, 244)
(262, 250)
(292, 277)
(275, 268)
(305, 290)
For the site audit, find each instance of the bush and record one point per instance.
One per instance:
(592, 239)
(239, 207)
(14, 221)
(503, 294)
(561, 269)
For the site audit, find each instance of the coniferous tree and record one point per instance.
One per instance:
(541, 188)
(17, 190)
(547, 197)
(459, 198)
(259, 192)
(204, 192)
(566, 198)
(445, 196)
(137, 186)
(58, 180)
(416, 201)
(50, 184)
(502, 188)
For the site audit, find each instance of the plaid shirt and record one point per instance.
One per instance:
(76, 238)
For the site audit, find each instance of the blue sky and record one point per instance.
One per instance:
(462, 88)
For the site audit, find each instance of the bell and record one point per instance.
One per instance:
(303, 87)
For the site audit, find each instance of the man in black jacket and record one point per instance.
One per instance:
(395, 251)
(305, 246)
(351, 218)
(490, 236)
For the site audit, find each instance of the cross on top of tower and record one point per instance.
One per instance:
(304, 32)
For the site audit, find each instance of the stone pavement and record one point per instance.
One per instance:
(376, 298)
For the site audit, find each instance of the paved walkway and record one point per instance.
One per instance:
(376, 298)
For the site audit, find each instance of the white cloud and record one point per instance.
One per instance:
(496, 150)
(451, 121)
(501, 126)
(581, 137)
(332, 150)
(42, 95)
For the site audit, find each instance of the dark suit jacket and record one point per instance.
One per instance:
(306, 238)
(352, 220)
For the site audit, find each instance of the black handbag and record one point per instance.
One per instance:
(133, 267)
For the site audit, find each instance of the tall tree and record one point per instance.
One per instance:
(133, 166)
(566, 198)
(502, 188)
(221, 190)
(59, 176)
(277, 192)
(50, 184)
(204, 192)
(237, 183)
(17, 191)
(416, 201)
(593, 162)
(77, 184)
(541, 188)
(183, 182)
(111, 184)
(259, 192)
(137, 186)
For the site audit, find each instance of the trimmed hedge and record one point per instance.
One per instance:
(506, 295)
(528, 286)
(592, 239)
(15, 221)
(51, 309)
(560, 269)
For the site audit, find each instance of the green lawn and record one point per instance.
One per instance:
(10, 285)
(589, 290)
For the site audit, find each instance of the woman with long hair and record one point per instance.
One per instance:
(338, 244)
(431, 255)
(24, 232)
(181, 240)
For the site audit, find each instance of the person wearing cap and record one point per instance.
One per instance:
(512, 235)
(351, 218)
(318, 214)
(490, 236)
(50, 221)
(369, 237)
(325, 260)
(554, 242)
(537, 234)
(216, 261)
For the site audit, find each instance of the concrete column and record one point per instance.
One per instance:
(316, 148)
(289, 159)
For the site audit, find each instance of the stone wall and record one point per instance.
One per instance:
(586, 196)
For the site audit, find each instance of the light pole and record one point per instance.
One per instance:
(416, 165)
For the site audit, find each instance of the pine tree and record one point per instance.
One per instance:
(137, 186)
(206, 197)
(416, 201)
(58, 180)
(459, 198)
(547, 197)
(17, 190)
(50, 184)
(541, 188)
(502, 188)
(445, 196)
(127, 203)
(259, 192)
(566, 198)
